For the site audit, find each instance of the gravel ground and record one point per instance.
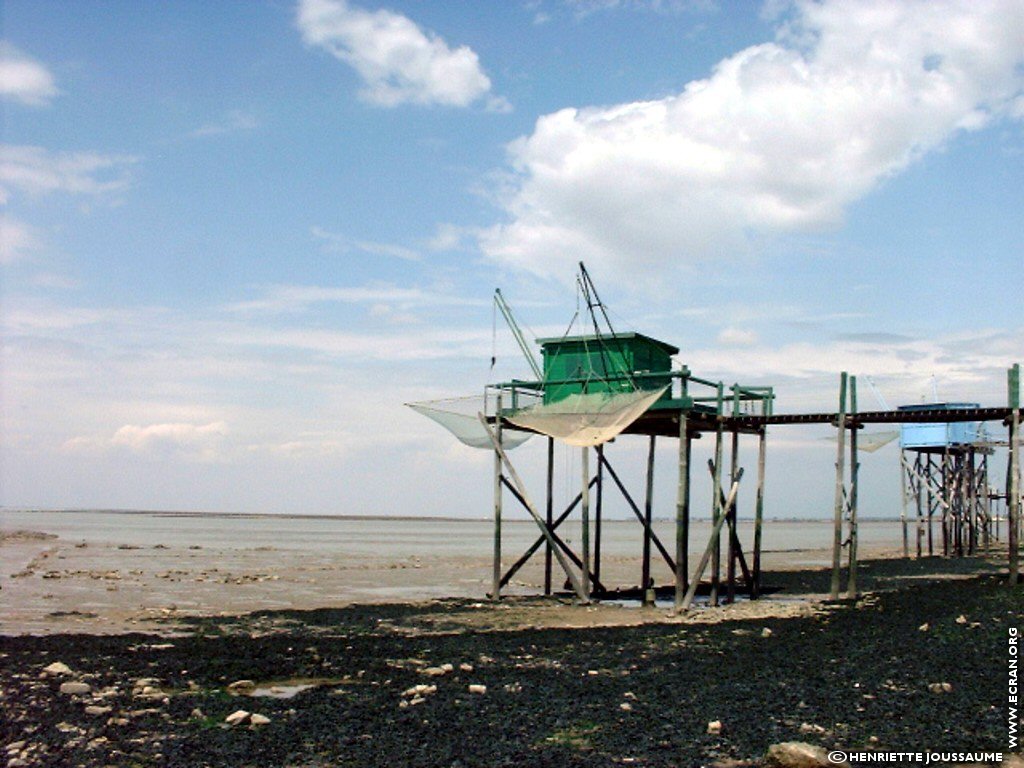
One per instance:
(864, 675)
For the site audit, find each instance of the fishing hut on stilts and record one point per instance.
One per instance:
(600, 385)
(596, 387)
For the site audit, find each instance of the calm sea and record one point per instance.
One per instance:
(402, 538)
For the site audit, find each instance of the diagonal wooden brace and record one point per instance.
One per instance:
(556, 550)
(715, 532)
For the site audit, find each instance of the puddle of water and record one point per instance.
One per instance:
(286, 689)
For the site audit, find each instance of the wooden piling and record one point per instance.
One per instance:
(851, 586)
(496, 581)
(762, 440)
(730, 578)
(682, 512)
(903, 507)
(716, 532)
(549, 513)
(645, 569)
(598, 512)
(585, 510)
(837, 539)
(1013, 487)
(716, 507)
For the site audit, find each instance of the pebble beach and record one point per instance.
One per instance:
(917, 663)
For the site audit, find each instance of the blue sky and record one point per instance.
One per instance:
(236, 237)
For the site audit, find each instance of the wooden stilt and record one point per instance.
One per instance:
(496, 580)
(734, 539)
(1013, 487)
(851, 585)
(762, 440)
(647, 593)
(985, 502)
(717, 512)
(903, 509)
(920, 512)
(518, 483)
(730, 583)
(598, 512)
(682, 511)
(585, 509)
(549, 513)
(837, 539)
(716, 531)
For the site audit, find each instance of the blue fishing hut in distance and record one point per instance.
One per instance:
(938, 437)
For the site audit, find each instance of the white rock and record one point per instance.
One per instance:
(766, 632)
(961, 619)
(715, 727)
(626, 706)
(433, 671)
(257, 719)
(466, 667)
(75, 688)
(238, 717)
(924, 627)
(96, 711)
(58, 668)
(476, 688)
(241, 686)
(797, 754)
(420, 690)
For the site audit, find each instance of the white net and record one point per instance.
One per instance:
(587, 419)
(869, 442)
(459, 416)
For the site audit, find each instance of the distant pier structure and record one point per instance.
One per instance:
(945, 478)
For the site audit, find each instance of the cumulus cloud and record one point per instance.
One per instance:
(398, 61)
(204, 442)
(24, 80)
(781, 137)
(737, 337)
(37, 171)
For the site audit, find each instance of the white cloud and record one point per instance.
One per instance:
(201, 441)
(586, 7)
(141, 438)
(737, 337)
(970, 366)
(398, 62)
(289, 298)
(234, 121)
(17, 240)
(781, 138)
(336, 243)
(25, 80)
(37, 171)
